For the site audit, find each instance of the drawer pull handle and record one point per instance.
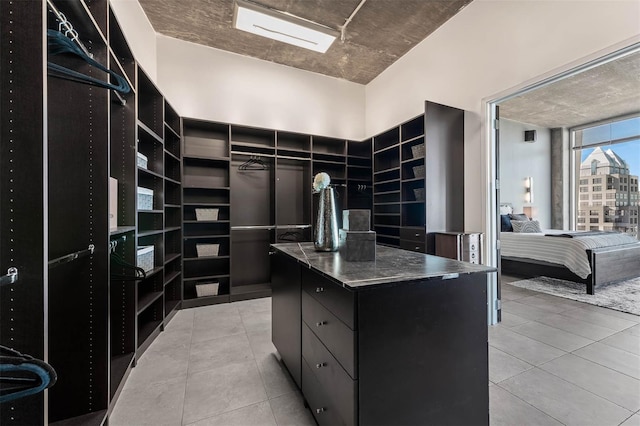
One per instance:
(319, 289)
(417, 235)
(320, 410)
(321, 364)
(417, 248)
(320, 323)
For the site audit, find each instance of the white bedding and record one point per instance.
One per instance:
(570, 252)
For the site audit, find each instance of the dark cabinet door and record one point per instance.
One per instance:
(286, 312)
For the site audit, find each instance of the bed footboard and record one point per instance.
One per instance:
(613, 264)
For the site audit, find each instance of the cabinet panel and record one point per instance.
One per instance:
(413, 234)
(412, 245)
(336, 299)
(319, 403)
(336, 383)
(334, 334)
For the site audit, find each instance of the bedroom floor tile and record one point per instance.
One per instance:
(612, 312)
(506, 409)
(550, 303)
(502, 365)
(600, 317)
(632, 421)
(552, 336)
(602, 381)
(614, 358)
(578, 327)
(511, 320)
(564, 401)
(522, 347)
(625, 341)
(524, 310)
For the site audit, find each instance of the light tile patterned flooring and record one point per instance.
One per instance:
(552, 361)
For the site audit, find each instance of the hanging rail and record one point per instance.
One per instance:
(11, 277)
(68, 28)
(71, 257)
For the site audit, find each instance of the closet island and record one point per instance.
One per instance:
(399, 340)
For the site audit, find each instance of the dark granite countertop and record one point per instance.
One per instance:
(391, 266)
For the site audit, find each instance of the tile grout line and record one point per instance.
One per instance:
(602, 365)
(526, 402)
(549, 344)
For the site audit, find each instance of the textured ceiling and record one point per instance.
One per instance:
(379, 34)
(607, 91)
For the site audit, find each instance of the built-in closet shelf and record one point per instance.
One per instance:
(206, 300)
(382, 182)
(121, 230)
(147, 332)
(387, 214)
(201, 236)
(206, 158)
(242, 292)
(412, 161)
(170, 307)
(413, 139)
(172, 206)
(119, 366)
(386, 150)
(356, 166)
(390, 169)
(150, 172)
(392, 203)
(150, 211)
(170, 154)
(359, 157)
(419, 179)
(339, 163)
(172, 228)
(149, 233)
(151, 273)
(147, 300)
(206, 221)
(383, 225)
(168, 127)
(170, 257)
(191, 259)
(359, 180)
(206, 277)
(172, 276)
(252, 145)
(412, 202)
(177, 182)
(150, 132)
(208, 204)
(95, 418)
(387, 192)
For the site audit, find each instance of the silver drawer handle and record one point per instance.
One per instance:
(417, 248)
(417, 235)
(320, 410)
(320, 365)
(319, 289)
(321, 323)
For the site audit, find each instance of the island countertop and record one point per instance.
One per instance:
(391, 266)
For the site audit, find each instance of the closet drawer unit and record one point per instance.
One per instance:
(334, 381)
(338, 300)
(320, 404)
(413, 234)
(412, 246)
(339, 339)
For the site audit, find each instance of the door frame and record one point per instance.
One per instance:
(492, 159)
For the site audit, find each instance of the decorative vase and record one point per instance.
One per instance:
(326, 233)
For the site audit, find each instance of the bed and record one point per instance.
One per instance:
(592, 258)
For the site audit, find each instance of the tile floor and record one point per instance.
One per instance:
(552, 361)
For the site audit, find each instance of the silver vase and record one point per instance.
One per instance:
(326, 233)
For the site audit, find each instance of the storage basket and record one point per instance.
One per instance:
(145, 258)
(142, 160)
(418, 171)
(145, 198)
(419, 194)
(207, 249)
(418, 150)
(207, 289)
(207, 214)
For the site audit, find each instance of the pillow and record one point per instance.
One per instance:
(506, 208)
(505, 223)
(526, 226)
(519, 216)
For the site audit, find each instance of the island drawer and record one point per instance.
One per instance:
(335, 382)
(339, 339)
(338, 300)
(413, 234)
(320, 404)
(412, 245)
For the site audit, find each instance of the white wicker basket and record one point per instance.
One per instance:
(207, 249)
(207, 289)
(145, 258)
(418, 171)
(207, 214)
(145, 198)
(419, 194)
(142, 160)
(418, 150)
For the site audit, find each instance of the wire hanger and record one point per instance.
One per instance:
(253, 163)
(137, 272)
(294, 236)
(22, 375)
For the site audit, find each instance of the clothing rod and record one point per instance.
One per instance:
(293, 226)
(287, 157)
(253, 227)
(11, 277)
(122, 100)
(72, 256)
(253, 154)
(64, 23)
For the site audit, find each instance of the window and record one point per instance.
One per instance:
(597, 188)
(581, 220)
(596, 196)
(594, 212)
(597, 180)
(584, 181)
(594, 220)
(611, 195)
(584, 196)
(584, 189)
